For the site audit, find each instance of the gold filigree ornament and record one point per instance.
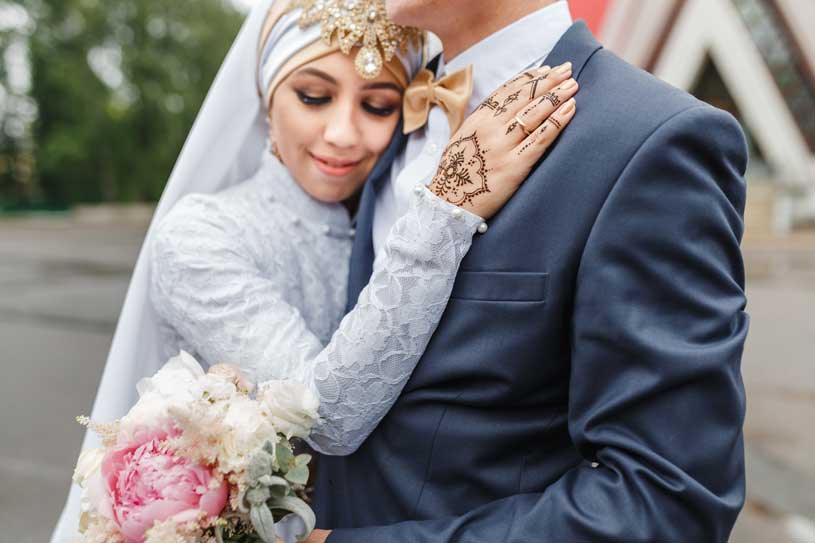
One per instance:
(362, 23)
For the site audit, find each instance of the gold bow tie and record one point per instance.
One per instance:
(451, 93)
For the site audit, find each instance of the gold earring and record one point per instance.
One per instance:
(276, 152)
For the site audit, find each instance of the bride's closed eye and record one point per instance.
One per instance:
(379, 111)
(312, 100)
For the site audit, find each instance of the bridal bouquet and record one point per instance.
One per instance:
(198, 459)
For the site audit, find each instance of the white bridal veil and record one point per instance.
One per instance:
(224, 147)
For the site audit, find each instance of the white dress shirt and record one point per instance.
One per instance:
(496, 59)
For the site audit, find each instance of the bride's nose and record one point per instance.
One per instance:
(341, 130)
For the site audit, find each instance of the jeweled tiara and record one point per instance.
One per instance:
(361, 23)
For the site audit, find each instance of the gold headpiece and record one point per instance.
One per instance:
(361, 23)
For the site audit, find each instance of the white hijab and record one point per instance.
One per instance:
(224, 147)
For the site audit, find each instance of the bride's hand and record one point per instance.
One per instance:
(493, 152)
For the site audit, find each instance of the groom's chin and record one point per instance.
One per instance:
(411, 12)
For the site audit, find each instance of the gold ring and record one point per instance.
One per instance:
(523, 126)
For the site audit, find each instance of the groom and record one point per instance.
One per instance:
(584, 383)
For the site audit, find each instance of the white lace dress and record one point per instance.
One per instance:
(256, 275)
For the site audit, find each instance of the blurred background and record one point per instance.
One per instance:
(96, 99)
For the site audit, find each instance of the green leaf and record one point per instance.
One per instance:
(298, 475)
(263, 522)
(302, 459)
(284, 456)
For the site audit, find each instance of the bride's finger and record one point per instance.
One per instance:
(528, 119)
(518, 91)
(539, 141)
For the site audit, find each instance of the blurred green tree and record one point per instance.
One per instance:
(117, 85)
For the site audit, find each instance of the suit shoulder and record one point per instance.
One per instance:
(639, 101)
(632, 91)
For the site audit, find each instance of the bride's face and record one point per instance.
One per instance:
(331, 126)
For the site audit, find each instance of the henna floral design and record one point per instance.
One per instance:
(462, 173)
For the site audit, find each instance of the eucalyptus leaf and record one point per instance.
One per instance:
(284, 456)
(302, 459)
(298, 475)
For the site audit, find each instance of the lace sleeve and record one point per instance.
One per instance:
(360, 374)
(208, 286)
(211, 290)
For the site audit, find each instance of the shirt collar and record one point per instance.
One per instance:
(514, 48)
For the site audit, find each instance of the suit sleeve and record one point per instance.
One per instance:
(656, 400)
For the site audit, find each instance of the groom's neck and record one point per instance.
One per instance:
(463, 28)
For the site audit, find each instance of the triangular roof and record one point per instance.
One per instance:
(676, 38)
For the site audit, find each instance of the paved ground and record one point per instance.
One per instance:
(62, 281)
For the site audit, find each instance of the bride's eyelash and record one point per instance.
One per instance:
(312, 100)
(378, 111)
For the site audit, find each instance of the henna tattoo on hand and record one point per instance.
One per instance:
(534, 84)
(532, 140)
(498, 109)
(528, 110)
(509, 99)
(554, 122)
(527, 74)
(462, 173)
(512, 127)
(551, 97)
(489, 103)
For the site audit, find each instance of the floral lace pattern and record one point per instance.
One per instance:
(256, 275)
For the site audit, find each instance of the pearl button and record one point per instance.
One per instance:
(482, 228)
(458, 213)
(326, 230)
(594, 465)
(418, 189)
(432, 148)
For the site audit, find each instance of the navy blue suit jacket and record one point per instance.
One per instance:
(584, 383)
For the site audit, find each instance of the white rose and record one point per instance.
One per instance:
(179, 373)
(247, 428)
(215, 388)
(89, 462)
(292, 405)
(174, 385)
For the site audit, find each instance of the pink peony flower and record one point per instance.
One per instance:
(141, 483)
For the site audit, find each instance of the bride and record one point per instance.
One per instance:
(247, 258)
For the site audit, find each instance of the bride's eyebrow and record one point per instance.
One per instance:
(318, 73)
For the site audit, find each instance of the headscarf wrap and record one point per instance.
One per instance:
(285, 46)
